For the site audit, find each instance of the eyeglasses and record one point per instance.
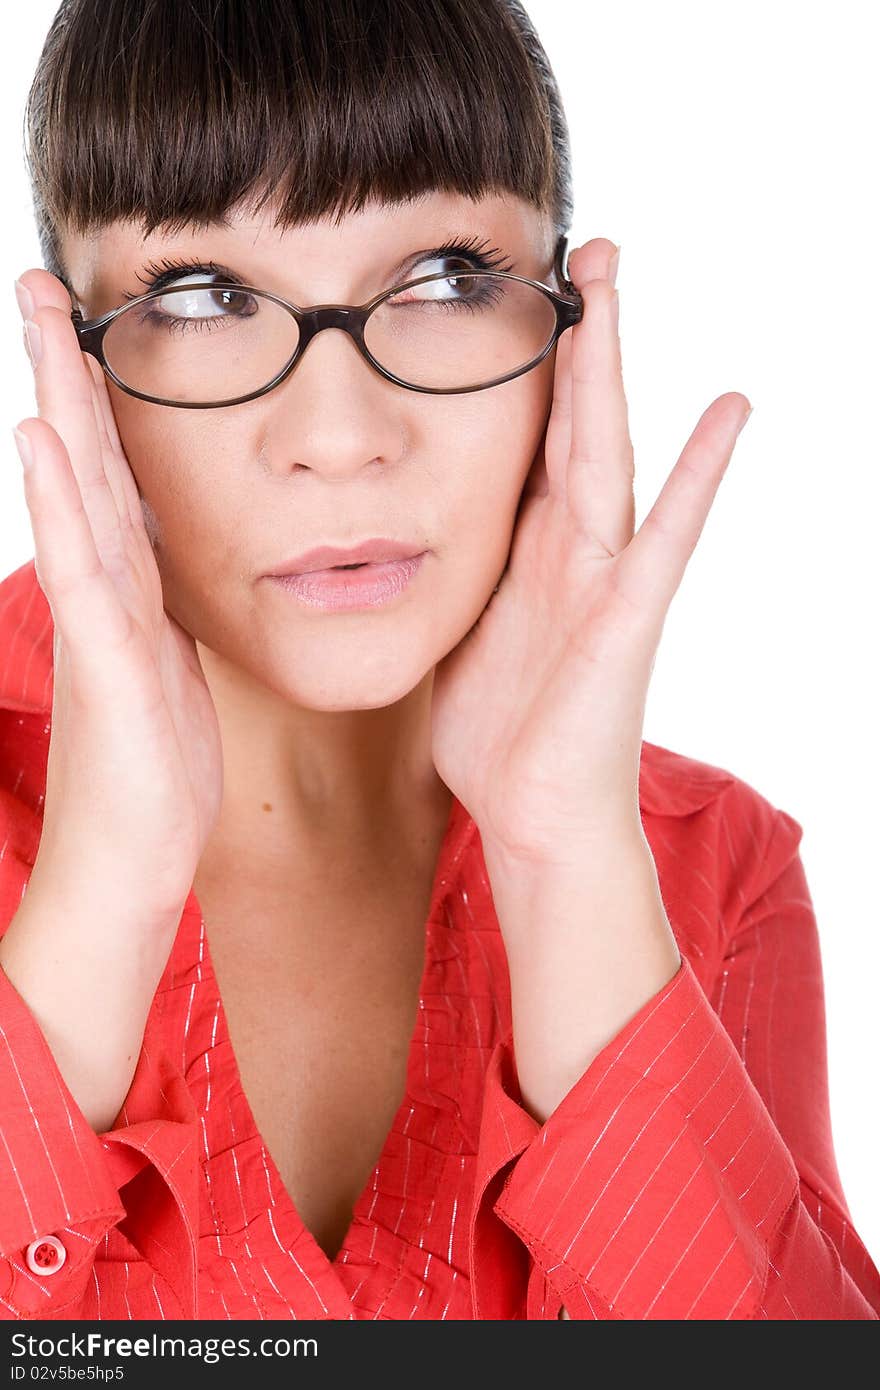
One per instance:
(209, 344)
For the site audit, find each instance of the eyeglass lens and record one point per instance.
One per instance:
(200, 346)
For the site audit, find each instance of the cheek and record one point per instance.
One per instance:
(499, 448)
(166, 455)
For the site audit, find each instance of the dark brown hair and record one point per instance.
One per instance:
(175, 111)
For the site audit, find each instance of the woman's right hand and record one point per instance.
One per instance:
(134, 777)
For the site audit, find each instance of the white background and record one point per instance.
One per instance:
(731, 151)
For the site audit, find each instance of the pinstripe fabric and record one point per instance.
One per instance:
(689, 1173)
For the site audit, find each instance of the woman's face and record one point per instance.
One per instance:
(333, 456)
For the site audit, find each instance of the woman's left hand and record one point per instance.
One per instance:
(538, 712)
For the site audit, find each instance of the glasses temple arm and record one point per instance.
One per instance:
(559, 267)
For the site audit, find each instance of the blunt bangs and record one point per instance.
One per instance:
(174, 112)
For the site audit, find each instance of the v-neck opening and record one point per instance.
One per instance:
(459, 828)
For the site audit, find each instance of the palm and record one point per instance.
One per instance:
(192, 716)
(179, 733)
(544, 647)
(135, 731)
(538, 712)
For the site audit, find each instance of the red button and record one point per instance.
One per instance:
(45, 1255)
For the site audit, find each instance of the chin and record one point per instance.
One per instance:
(356, 683)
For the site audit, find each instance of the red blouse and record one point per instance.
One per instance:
(688, 1173)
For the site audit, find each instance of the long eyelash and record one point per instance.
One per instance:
(172, 269)
(489, 258)
(469, 248)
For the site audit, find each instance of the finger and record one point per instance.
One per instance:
(105, 405)
(651, 568)
(80, 594)
(46, 291)
(536, 483)
(588, 262)
(64, 389)
(45, 288)
(113, 480)
(599, 481)
(116, 465)
(592, 260)
(557, 436)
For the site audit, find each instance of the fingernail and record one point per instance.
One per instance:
(25, 453)
(745, 419)
(25, 299)
(612, 266)
(33, 341)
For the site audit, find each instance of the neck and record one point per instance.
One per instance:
(301, 783)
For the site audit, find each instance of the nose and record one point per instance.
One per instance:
(334, 414)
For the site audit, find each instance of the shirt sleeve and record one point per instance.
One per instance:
(689, 1172)
(63, 1186)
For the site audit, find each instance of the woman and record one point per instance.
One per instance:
(361, 960)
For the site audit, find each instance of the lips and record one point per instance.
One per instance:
(368, 585)
(327, 557)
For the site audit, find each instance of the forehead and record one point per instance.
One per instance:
(357, 240)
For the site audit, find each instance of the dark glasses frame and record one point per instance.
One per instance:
(351, 318)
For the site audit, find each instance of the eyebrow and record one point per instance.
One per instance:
(482, 243)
